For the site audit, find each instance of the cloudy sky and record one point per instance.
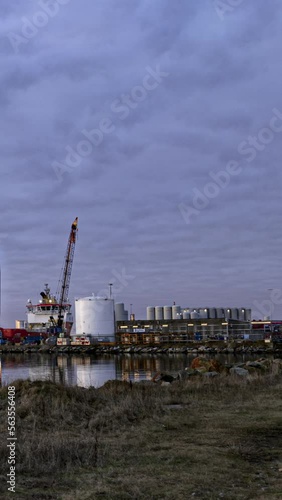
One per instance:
(158, 124)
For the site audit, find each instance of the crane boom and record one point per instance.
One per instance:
(67, 270)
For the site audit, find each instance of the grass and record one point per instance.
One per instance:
(207, 439)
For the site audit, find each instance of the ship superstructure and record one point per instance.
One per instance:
(44, 316)
(53, 315)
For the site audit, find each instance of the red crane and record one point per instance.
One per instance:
(66, 275)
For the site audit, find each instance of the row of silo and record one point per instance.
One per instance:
(120, 313)
(175, 312)
(163, 313)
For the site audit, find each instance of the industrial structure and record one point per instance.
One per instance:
(52, 315)
(175, 312)
(95, 318)
(100, 319)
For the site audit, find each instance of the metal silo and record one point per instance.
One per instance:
(167, 312)
(227, 313)
(150, 313)
(95, 317)
(203, 313)
(119, 311)
(234, 313)
(186, 314)
(194, 314)
(242, 314)
(220, 313)
(212, 313)
(159, 313)
(176, 312)
(248, 314)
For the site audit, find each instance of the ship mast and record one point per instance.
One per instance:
(67, 272)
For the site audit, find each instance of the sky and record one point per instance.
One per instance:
(159, 125)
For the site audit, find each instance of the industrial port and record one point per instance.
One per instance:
(99, 320)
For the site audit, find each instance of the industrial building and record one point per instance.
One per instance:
(180, 330)
(104, 321)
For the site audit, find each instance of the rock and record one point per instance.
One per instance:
(256, 364)
(210, 365)
(211, 374)
(237, 370)
(202, 369)
(187, 373)
(165, 383)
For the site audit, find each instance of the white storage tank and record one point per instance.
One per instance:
(176, 312)
(194, 314)
(150, 313)
(203, 313)
(227, 313)
(220, 314)
(159, 313)
(167, 312)
(120, 313)
(242, 312)
(234, 313)
(212, 313)
(248, 314)
(95, 317)
(186, 314)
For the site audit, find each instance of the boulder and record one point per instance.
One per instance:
(237, 370)
(187, 373)
(256, 364)
(211, 374)
(209, 365)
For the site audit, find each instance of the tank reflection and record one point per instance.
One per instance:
(89, 370)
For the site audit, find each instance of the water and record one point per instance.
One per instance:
(91, 370)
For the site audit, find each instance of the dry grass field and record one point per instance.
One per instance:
(200, 438)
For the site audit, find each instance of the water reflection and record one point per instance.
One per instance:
(89, 370)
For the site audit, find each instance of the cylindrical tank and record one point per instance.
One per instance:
(95, 317)
(150, 313)
(242, 314)
(186, 314)
(119, 311)
(234, 313)
(159, 312)
(212, 312)
(194, 315)
(176, 312)
(227, 313)
(167, 312)
(248, 314)
(220, 314)
(203, 313)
